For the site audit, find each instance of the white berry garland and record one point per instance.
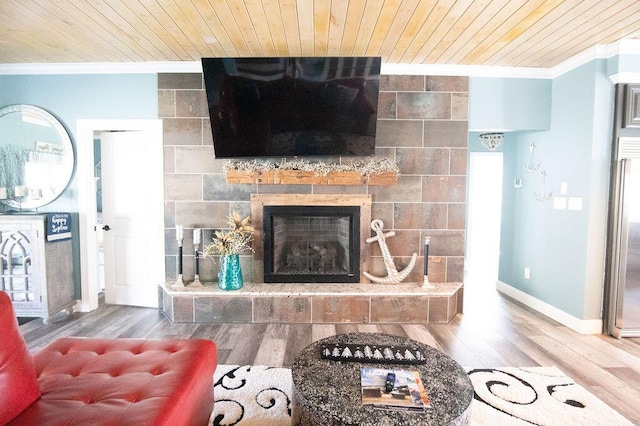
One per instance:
(365, 168)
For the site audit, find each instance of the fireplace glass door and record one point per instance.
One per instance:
(312, 244)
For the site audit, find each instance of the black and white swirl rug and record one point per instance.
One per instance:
(252, 395)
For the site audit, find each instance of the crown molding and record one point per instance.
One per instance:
(625, 77)
(625, 46)
(464, 70)
(103, 68)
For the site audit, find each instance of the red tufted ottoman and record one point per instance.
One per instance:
(109, 382)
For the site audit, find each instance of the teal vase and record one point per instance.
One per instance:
(230, 276)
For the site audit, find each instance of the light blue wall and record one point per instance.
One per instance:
(623, 64)
(85, 96)
(509, 104)
(564, 249)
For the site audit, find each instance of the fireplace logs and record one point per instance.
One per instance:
(325, 257)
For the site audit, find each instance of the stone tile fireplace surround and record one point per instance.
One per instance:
(422, 125)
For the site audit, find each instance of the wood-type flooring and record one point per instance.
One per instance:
(497, 332)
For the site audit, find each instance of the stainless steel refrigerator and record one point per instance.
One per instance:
(624, 242)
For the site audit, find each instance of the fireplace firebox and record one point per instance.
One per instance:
(311, 244)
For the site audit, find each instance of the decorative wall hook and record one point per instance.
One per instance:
(542, 196)
(532, 167)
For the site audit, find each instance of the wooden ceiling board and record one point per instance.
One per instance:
(241, 16)
(76, 25)
(462, 31)
(20, 49)
(593, 24)
(288, 9)
(453, 23)
(604, 26)
(135, 11)
(125, 27)
(215, 27)
(261, 25)
(182, 29)
(385, 21)
(197, 29)
(510, 29)
(428, 27)
(368, 22)
(487, 24)
(337, 23)
(415, 23)
(354, 15)
(512, 33)
(273, 16)
(400, 21)
(226, 19)
(321, 22)
(534, 34)
(306, 33)
(22, 16)
(542, 33)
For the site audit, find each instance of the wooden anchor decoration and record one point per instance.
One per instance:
(393, 276)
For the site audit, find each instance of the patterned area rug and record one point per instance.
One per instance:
(258, 395)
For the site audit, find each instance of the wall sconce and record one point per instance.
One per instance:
(491, 140)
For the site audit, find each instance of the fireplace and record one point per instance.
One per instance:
(336, 251)
(311, 244)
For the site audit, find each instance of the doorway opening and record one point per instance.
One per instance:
(129, 268)
(483, 226)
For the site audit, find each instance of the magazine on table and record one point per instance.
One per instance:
(393, 389)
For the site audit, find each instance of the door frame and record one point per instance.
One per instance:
(87, 205)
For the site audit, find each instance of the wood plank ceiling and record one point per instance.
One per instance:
(514, 33)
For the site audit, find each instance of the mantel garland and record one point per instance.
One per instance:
(385, 170)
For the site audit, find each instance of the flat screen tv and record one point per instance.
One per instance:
(294, 106)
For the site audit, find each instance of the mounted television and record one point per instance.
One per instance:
(304, 106)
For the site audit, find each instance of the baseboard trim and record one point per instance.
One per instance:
(576, 324)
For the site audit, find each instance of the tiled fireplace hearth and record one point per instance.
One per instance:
(358, 301)
(313, 303)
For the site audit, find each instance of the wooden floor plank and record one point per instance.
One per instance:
(496, 333)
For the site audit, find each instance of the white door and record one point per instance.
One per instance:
(132, 218)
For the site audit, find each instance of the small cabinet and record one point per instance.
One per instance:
(36, 274)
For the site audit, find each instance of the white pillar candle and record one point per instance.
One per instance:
(19, 191)
(196, 236)
(3, 193)
(179, 235)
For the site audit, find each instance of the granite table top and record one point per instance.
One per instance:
(327, 392)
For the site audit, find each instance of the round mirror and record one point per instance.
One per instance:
(36, 157)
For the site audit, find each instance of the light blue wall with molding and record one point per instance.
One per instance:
(83, 96)
(564, 249)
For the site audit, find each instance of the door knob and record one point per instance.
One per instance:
(106, 228)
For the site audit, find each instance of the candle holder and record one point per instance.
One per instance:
(425, 282)
(179, 238)
(196, 250)
(196, 279)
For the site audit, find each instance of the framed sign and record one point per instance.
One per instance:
(58, 226)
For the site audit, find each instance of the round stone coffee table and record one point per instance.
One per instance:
(327, 392)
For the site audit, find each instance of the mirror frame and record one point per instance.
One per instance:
(65, 141)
